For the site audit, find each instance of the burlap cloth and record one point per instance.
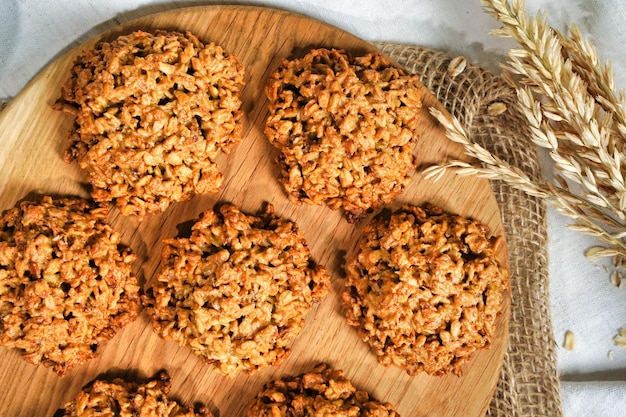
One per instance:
(528, 384)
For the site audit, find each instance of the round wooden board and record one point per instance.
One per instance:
(32, 141)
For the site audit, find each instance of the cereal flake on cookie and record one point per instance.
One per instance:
(151, 114)
(237, 290)
(66, 285)
(424, 289)
(345, 129)
(321, 392)
(124, 398)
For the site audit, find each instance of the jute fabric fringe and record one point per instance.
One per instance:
(528, 384)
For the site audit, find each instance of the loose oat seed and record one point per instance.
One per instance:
(569, 340)
(496, 108)
(457, 66)
(616, 278)
(620, 338)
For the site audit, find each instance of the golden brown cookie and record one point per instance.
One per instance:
(152, 112)
(66, 285)
(321, 392)
(345, 129)
(124, 398)
(237, 290)
(424, 289)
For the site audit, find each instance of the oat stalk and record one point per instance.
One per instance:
(587, 217)
(574, 112)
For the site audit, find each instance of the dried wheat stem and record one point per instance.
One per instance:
(573, 112)
(599, 78)
(588, 218)
(574, 100)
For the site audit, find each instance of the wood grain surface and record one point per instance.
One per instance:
(32, 141)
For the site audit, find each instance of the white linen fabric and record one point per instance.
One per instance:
(593, 398)
(35, 32)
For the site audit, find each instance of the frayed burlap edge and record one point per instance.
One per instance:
(528, 384)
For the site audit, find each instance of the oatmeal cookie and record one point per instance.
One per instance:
(66, 285)
(129, 399)
(152, 112)
(345, 128)
(424, 289)
(237, 290)
(321, 392)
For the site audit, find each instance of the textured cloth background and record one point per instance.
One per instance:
(580, 297)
